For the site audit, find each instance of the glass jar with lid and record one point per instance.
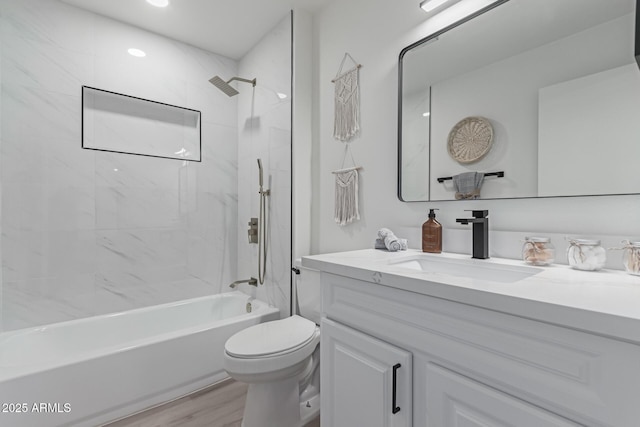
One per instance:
(631, 258)
(538, 251)
(586, 254)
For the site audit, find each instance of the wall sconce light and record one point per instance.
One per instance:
(431, 5)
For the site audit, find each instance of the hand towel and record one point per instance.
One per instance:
(379, 244)
(390, 240)
(468, 185)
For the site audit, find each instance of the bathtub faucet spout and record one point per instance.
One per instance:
(252, 282)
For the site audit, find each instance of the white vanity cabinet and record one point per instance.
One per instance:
(466, 365)
(456, 400)
(368, 380)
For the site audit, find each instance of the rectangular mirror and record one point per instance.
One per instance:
(543, 96)
(126, 124)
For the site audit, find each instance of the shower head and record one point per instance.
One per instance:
(226, 88)
(223, 86)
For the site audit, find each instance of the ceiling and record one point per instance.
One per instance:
(226, 27)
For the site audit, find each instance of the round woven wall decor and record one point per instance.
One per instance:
(470, 139)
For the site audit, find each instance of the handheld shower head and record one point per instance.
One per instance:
(260, 172)
(225, 87)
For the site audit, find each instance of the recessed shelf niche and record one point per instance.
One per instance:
(127, 124)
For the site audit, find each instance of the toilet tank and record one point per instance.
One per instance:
(308, 292)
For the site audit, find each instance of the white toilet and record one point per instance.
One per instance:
(280, 360)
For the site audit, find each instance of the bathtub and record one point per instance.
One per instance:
(91, 371)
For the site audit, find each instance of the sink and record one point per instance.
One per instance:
(468, 268)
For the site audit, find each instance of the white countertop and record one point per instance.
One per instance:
(604, 302)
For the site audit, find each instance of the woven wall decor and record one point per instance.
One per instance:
(470, 139)
(346, 203)
(346, 122)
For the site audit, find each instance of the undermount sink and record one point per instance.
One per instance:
(469, 268)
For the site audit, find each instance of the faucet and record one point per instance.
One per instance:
(480, 230)
(252, 282)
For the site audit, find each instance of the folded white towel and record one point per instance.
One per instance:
(379, 244)
(384, 232)
(391, 242)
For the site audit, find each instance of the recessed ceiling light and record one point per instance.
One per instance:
(136, 52)
(282, 95)
(427, 114)
(158, 3)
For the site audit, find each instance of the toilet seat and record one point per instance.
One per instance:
(272, 339)
(271, 350)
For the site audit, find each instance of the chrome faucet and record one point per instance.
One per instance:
(251, 282)
(480, 229)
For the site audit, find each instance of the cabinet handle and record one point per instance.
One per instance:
(395, 409)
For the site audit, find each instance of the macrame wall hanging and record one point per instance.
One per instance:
(347, 101)
(346, 203)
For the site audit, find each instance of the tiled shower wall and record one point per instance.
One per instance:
(89, 232)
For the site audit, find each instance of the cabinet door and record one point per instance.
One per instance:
(364, 381)
(454, 400)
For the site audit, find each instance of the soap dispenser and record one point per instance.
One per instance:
(432, 234)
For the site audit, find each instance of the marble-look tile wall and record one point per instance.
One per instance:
(265, 133)
(88, 232)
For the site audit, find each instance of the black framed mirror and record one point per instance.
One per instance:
(551, 89)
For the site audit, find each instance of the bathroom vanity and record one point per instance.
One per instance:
(413, 339)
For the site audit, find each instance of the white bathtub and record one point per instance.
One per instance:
(90, 371)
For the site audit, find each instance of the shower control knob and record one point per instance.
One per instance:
(253, 230)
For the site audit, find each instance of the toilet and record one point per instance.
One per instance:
(280, 360)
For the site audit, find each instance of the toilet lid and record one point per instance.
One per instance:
(271, 337)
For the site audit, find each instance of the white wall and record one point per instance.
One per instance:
(88, 232)
(264, 125)
(374, 32)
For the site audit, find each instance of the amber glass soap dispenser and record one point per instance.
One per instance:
(432, 234)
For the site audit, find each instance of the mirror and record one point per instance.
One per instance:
(541, 96)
